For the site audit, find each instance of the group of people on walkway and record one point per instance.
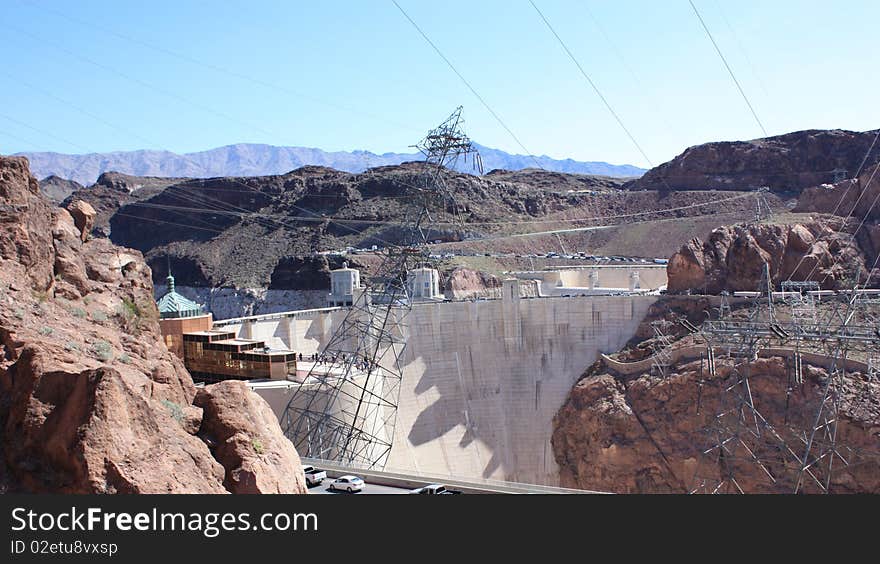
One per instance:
(362, 364)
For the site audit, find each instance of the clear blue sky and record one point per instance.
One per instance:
(185, 75)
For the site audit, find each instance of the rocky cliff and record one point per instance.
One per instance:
(58, 189)
(856, 197)
(733, 257)
(91, 401)
(643, 432)
(262, 232)
(784, 163)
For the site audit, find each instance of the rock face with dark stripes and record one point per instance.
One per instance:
(783, 163)
(91, 400)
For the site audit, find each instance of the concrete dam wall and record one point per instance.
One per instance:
(482, 380)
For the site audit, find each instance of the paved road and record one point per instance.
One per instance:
(369, 489)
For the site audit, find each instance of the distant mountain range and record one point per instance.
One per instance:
(257, 160)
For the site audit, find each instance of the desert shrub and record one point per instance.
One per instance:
(102, 350)
(130, 308)
(129, 315)
(46, 331)
(258, 446)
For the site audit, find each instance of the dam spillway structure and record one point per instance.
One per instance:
(345, 408)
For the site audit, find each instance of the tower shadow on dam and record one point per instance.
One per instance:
(483, 380)
(445, 414)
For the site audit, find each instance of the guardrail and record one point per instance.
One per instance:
(273, 316)
(406, 480)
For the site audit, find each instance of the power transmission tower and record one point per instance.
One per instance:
(345, 409)
(802, 451)
(763, 212)
(662, 348)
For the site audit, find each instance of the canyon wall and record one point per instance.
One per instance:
(91, 400)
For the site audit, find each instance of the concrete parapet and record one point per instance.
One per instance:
(693, 352)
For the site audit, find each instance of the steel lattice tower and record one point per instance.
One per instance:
(802, 452)
(345, 410)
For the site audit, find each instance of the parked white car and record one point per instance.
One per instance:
(348, 484)
(313, 475)
(433, 489)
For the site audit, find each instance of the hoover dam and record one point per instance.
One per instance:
(482, 379)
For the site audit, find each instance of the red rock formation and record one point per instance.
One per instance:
(733, 257)
(90, 398)
(248, 441)
(83, 217)
(643, 434)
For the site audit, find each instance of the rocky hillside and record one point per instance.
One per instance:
(248, 159)
(114, 190)
(733, 257)
(58, 189)
(856, 197)
(784, 163)
(264, 231)
(91, 401)
(643, 432)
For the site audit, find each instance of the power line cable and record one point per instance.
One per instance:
(468, 84)
(727, 66)
(836, 258)
(42, 131)
(741, 47)
(19, 139)
(593, 85)
(840, 202)
(142, 83)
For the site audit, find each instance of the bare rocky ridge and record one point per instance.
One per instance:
(259, 231)
(642, 432)
(58, 189)
(784, 163)
(91, 401)
(264, 232)
(465, 282)
(114, 190)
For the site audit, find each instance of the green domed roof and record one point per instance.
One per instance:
(173, 305)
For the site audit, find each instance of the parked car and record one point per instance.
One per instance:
(347, 483)
(433, 489)
(313, 475)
